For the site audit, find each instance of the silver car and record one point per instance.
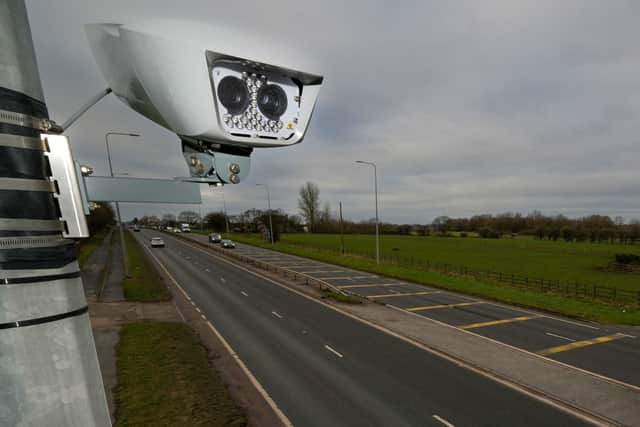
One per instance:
(157, 242)
(228, 244)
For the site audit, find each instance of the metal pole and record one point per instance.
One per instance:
(226, 215)
(123, 247)
(375, 186)
(341, 229)
(49, 371)
(269, 208)
(375, 183)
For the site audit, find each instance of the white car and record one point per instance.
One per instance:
(157, 242)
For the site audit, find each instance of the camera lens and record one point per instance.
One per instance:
(272, 101)
(233, 94)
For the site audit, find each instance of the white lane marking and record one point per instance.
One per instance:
(431, 350)
(179, 312)
(559, 336)
(223, 280)
(202, 315)
(244, 293)
(193, 303)
(443, 421)
(333, 351)
(207, 270)
(198, 310)
(231, 351)
(279, 316)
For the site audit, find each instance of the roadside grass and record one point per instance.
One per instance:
(598, 311)
(346, 299)
(164, 379)
(565, 261)
(88, 246)
(144, 283)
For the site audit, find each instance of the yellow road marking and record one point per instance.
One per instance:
(403, 295)
(434, 307)
(293, 266)
(371, 285)
(321, 271)
(578, 344)
(498, 322)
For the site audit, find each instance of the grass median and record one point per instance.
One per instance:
(144, 283)
(599, 311)
(164, 379)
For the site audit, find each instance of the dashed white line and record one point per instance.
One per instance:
(442, 420)
(207, 270)
(198, 310)
(279, 316)
(559, 336)
(244, 293)
(223, 280)
(333, 351)
(202, 315)
(193, 303)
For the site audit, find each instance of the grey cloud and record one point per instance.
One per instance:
(467, 107)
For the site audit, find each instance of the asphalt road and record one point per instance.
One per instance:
(606, 350)
(325, 369)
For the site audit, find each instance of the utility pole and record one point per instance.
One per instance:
(49, 372)
(375, 187)
(123, 247)
(341, 230)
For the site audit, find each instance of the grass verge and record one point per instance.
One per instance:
(144, 283)
(552, 303)
(346, 299)
(164, 379)
(88, 246)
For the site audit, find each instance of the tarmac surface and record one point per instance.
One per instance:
(323, 368)
(607, 350)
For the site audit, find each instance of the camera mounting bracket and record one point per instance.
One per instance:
(75, 190)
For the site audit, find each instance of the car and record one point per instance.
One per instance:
(227, 244)
(215, 238)
(136, 228)
(157, 242)
(177, 230)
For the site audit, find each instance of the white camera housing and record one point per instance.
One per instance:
(177, 84)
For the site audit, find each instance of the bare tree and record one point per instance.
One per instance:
(309, 203)
(189, 217)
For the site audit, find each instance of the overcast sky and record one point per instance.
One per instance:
(466, 107)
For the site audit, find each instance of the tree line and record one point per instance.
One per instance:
(592, 228)
(315, 217)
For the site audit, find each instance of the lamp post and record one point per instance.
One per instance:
(269, 208)
(125, 262)
(375, 186)
(226, 216)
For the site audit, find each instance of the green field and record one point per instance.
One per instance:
(164, 379)
(582, 262)
(500, 255)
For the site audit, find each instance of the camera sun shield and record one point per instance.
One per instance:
(220, 90)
